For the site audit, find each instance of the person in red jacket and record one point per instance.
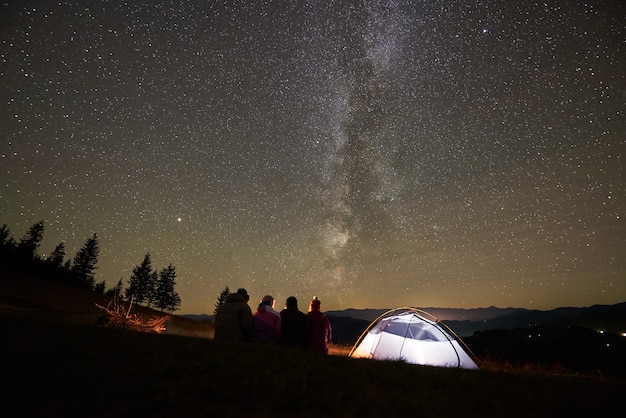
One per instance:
(318, 326)
(266, 322)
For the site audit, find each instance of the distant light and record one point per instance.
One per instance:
(623, 334)
(600, 331)
(179, 219)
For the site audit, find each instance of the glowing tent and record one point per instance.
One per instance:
(413, 336)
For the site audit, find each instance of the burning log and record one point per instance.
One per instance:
(116, 316)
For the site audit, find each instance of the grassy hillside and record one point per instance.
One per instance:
(57, 363)
(25, 295)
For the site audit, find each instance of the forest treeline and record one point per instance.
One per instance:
(146, 285)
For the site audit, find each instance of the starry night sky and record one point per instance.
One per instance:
(373, 153)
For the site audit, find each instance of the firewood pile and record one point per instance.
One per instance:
(116, 316)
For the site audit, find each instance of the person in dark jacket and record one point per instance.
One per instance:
(319, 330)
(233, 321)
(294, 325)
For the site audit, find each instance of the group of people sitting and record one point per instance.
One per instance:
(290, 327)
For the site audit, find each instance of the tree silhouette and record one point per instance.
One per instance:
(165, 298)
(6, 240)
(7, 245)
(83, 268)
(142, 281)
(221, 299)
(57, 256)
(27, 248)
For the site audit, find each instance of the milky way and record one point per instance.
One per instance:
(373, 153)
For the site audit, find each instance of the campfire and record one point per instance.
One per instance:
(117, 316)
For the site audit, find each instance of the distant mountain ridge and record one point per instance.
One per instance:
(464, 322)
(443, 314)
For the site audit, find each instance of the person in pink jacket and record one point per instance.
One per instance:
(266, 322)
(318, 326)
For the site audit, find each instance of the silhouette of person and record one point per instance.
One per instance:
(266, 323)
(293, 325)
(233, 320)
(318, 327)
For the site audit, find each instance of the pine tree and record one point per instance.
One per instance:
(83, 269)
(7, 244)
(166, 299)
(57, 256)
(142, 281)
(6, 239)
(27, 248)
(221, 299)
